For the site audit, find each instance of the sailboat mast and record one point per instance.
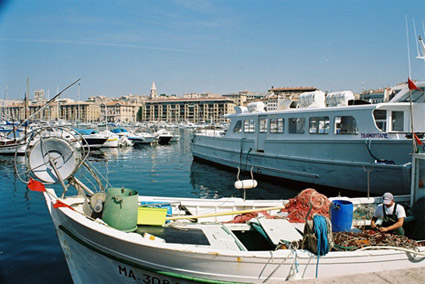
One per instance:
(78, 104)
(4, 103)
(26, 103)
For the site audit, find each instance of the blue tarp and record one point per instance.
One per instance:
(118, 130)
(86, 131)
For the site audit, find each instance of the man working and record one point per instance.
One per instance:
(392, 215)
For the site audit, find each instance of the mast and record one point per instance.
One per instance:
(78, 104)
(57, 109)
(4, 103)
(26, 103)
(106, 116)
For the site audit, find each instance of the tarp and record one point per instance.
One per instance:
(119, 130)
(86, 131)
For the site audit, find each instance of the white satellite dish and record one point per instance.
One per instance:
(53, 150)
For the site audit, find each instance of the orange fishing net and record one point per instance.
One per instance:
(297, 208)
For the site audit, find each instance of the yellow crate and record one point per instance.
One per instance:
(151, 216)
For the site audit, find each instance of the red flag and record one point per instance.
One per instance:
(61, 204)
(35, 185)
(412, 85)
(418, 141)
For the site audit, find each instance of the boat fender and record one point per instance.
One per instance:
(246, 184)
(97, 200)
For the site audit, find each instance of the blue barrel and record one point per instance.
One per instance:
(341, 215)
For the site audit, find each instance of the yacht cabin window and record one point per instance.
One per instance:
(297, 125)
(249, 126)
(397, 121)
(276, 125)
(380, 117)
(263, 125)
(345, 125)
(319, 125)
(238, 127)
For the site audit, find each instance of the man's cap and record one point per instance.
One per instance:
(387, 197)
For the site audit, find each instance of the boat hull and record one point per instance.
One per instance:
(337, 164)
(96, 253)
(164, 140)
(112, 142)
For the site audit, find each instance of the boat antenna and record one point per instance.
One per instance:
(45, 105)
(416, 36)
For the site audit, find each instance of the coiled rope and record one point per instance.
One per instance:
(320, 226)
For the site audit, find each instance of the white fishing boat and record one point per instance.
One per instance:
(120, 237)
(165, 137)
(325, 141)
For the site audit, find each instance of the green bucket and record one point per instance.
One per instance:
(120, 209)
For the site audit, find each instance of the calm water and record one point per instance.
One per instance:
(29, 248)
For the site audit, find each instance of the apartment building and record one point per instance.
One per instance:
(117, 111)
(186, 109)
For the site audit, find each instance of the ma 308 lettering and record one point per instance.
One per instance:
(144, 278)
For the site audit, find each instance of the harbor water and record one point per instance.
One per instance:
(29, 248)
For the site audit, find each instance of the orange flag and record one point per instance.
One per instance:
(35, 185)
(61, 204)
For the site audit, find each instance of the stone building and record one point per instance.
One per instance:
(79, 111)
(117, 111)
(184, 109)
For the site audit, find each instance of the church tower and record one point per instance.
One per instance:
(154, 94)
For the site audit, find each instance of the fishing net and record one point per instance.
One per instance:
(243, 218)
(297, 208)
(351, 241)
(364, 212)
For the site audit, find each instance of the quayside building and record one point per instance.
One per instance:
(186, 109)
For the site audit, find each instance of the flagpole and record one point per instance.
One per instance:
(410, 90)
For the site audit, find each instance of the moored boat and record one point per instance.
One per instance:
(92, 138)
(197, 242)
(325, 141)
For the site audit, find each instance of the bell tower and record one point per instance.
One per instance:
(154, 94)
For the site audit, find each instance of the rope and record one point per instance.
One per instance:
(321, 230)
(388, 162)
(395, 248)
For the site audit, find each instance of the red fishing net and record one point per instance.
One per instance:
(243, 218)
(297, 208)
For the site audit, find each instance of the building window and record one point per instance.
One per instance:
(319, 125)
(345, 125)
(249, 126)
(263, 125)
(397, 121)
(297, 125)
(238, 126)
(276, 125)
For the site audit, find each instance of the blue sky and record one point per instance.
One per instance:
(120, 47)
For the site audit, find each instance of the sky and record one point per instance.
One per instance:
(222, 46)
